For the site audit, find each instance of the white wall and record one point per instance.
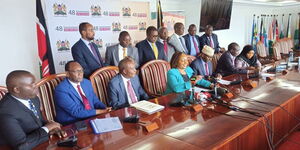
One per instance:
(18, 31)
(18, 37)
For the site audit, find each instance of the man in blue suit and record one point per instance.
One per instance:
(85, 52)
(210, 39)
(75, 98)
(192, 41)
(125, 88)
(150, 49)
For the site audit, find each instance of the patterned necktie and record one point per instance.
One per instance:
(165, 47)
(211, 42)
(195, 45)
(85, 101)
(155, 50)
(94, 52)
(32, 108)
(131, 92)
(206, 68)
(124, 52)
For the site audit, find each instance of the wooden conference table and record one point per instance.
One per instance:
(211, 128)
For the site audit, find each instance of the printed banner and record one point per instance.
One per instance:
(108, 18)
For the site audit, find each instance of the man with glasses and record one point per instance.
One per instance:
(75, 98)
(150, 49)
(226, 65)
(85, 52)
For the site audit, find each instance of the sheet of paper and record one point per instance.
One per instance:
(198, 89)
(266, 68)
(224, 82)
(108, 124)
(264, 75)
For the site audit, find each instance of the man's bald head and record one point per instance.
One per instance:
(21, 83)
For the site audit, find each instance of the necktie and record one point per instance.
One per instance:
(165, 47)
(206, 68)
(211, 42)
(182, 44)
(131, 92)
(124, 52)
(32, 108)
(155, 50)
(94, 52)
(195, 45)
(85, 101)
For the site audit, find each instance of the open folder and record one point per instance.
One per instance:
(106, 125)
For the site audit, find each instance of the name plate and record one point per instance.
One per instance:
(149, 126)
(228, 95)
(197, 107)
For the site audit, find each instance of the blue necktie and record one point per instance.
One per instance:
(32, 108)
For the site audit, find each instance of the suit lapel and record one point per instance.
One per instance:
(201, 67)
(150, 50)
(74, 92)
(122, 88)
(129, 51)
(89, 53)
(24, 108)
(115, 54)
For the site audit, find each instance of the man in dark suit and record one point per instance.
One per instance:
(225, 64)
(192, 41)
(163, 39)
(22, 125)
(115, 53)
(210, 39)
(85, 52)
(202, 64)
(125, 88)
(75, 98)
(150, 49)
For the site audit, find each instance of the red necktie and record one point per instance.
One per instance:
(85, 101)
(211, 42)
(166, 47)
(131, 92)
(195, 45)
(206, 68)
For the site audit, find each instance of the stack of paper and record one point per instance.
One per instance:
(147, 107)
(106, 125)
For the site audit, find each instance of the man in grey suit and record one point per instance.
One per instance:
(163, 38)
(176, 40)
(115, 53)
(125, 88)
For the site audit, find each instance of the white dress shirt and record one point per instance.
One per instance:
(26, 103)
(120, 48)
(126, 89)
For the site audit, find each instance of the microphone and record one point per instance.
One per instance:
(133, 118)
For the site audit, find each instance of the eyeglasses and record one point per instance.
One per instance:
(77, 71)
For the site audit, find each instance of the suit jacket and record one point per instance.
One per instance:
(175, 42)
(146, 53)
(19, 127)
(82, 54)
(205, 41)
(112, 55)
(198, 68)
(117, 93)
(189, 44)
(176, 84)
(68, 103)
(171, 50)
(226, 67)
